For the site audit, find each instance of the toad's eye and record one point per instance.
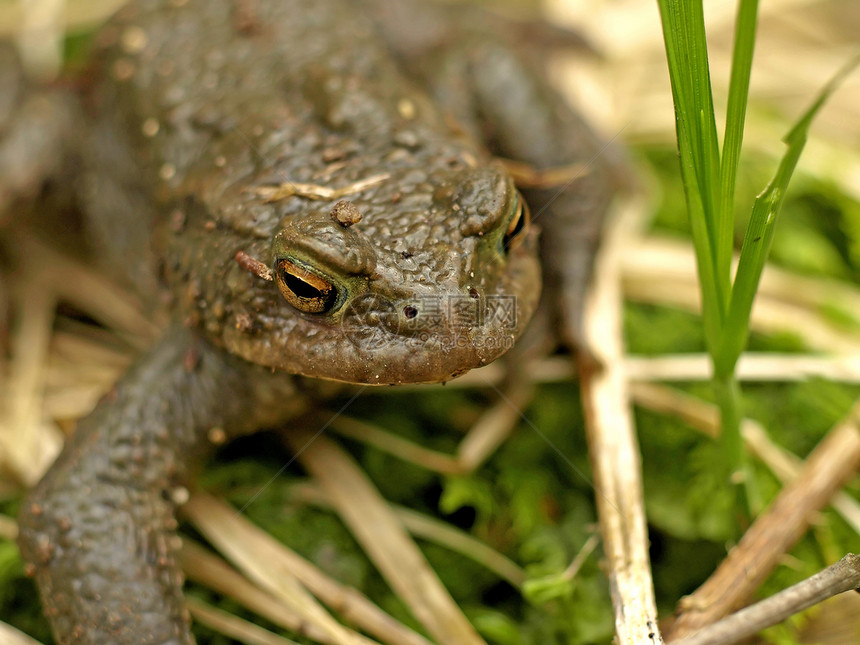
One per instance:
(518, 222)
(304, 289)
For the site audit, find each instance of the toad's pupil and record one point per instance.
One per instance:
(303, 289)
(517, 224)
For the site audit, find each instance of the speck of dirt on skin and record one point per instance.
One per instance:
(191, 360)
(345, 213)
(167, 171)
(177, 221)
(150, 127)
(333, 154)
(406, 108)
(179, 495)
(123, 69)
(243, 322)
(133, 40)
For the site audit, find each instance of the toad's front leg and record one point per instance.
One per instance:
(99, 529)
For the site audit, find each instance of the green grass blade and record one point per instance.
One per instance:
(708, 152)
(759, 234)
(678, 25)
(686, 53)
(712, 313)
(702, 127)
(745, 33)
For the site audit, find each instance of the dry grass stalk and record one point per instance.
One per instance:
(11, 636)
(487, 434)
(8, 528)
(271, 558)
(383, 537)
(40, 37)
(27, 444)
(496, 423)
(77, 15)
(769, 367)
(830, 465)
(208, 569)
(96, 293)
(661, 271)
(258, 555)
(396, 445)
(436, 531)
(753, 366)
(787, 467)
(614, 450)
(233, 626)
(267, 561)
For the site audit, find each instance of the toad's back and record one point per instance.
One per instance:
(222, 107)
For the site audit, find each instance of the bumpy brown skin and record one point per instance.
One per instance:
(304, 96)
(201, 107)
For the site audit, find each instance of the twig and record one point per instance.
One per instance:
(829, 466)
(614, 452)
(835, 579)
